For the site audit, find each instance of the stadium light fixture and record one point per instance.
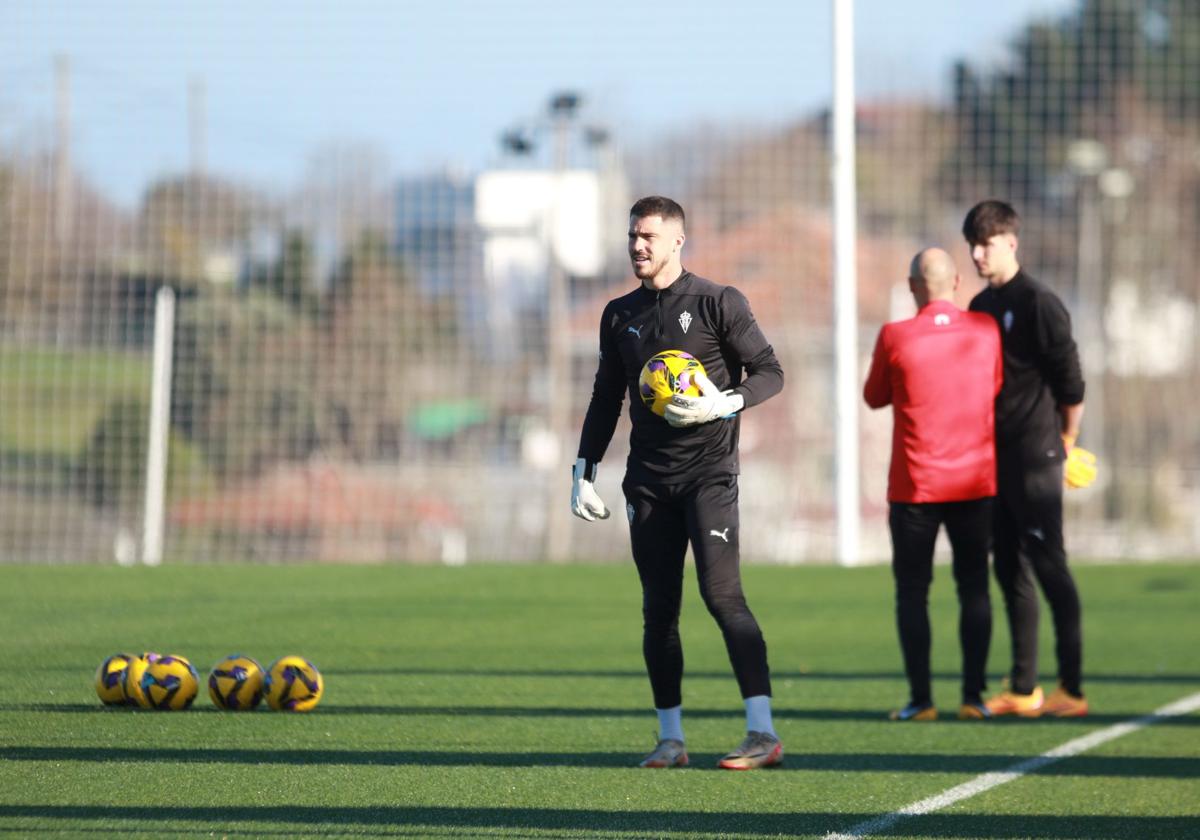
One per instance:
(516, 142)
(565, 104)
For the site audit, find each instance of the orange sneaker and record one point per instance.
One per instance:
(1010, 703)
(1061, 703)
(915, 711)
(974, 711)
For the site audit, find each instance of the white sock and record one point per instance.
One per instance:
(758, 714)
(670, 723)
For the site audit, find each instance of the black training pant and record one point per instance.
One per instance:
(914, 530)
(663, 519)
(1028, 545)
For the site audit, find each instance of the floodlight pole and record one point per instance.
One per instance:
(845, 285)
(197, 125)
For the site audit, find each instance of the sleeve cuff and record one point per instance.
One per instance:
(585, 469)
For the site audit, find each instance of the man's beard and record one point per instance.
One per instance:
(649, 269)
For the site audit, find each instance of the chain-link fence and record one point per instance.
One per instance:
(363, 368)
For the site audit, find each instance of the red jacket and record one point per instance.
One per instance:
(941, 372)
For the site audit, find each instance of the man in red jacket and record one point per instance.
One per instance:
(940, 371)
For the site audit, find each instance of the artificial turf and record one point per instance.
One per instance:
(498, 700)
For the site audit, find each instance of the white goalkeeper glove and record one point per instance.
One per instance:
(585, 503)
(711, 405)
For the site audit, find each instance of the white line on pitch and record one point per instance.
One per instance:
(987, 781)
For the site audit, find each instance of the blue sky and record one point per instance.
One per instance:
(434, 84)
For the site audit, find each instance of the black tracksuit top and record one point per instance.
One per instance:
(1041, 368)
(714, 324)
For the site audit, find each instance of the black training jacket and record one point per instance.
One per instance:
(714, 324)
(1041, 368)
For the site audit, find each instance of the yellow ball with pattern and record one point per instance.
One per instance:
(110, 679)
(236, 683)
(666, 374)
(133, 678)
(168, 683)
(293, 684)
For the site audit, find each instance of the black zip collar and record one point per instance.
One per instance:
(680, 286)
(1017, 281)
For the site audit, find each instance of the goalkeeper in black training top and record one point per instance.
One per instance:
(1038, 413)
(681, 479)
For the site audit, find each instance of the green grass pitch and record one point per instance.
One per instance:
(52, 398)
(511, 701)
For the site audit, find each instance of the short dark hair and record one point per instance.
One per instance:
(657, 205)
(990, 218)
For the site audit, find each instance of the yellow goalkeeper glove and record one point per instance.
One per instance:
(1080, 467)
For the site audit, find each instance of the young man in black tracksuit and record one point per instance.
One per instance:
(681, 478)
(1038, 414)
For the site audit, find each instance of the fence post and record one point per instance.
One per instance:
(160, 425)
(845, 284)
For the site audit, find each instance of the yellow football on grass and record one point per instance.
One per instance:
(293, 684)
(236, 683)
(110, 679)
(167, 683)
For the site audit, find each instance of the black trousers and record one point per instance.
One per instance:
(914, 530)
(663, 519)
(1028, 547)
